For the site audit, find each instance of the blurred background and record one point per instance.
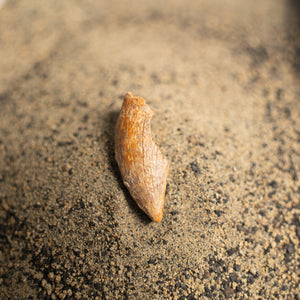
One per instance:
(223, 79)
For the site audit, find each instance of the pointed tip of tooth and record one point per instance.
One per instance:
(155, 213)
(157, 218)
(154, 210)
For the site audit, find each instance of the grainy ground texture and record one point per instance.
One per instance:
(223, 78)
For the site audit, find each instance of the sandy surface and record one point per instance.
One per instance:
(223, 78)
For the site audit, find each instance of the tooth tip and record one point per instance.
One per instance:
(158, 217)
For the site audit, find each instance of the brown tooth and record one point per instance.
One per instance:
(143, 168)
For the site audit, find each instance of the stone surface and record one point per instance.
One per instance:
(223, 78)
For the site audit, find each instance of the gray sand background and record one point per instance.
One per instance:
(223, 78)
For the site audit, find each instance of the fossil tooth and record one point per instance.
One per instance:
(143, 167)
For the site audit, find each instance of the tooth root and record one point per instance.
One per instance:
(143, 168)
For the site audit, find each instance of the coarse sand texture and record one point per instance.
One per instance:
(223, 79)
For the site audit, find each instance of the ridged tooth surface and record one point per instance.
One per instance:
(143, 168)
